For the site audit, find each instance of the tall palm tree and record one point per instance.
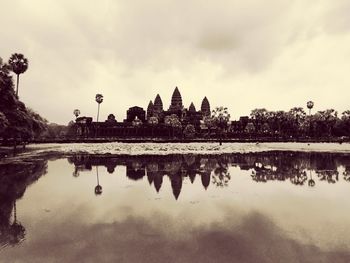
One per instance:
(310, 105)
(76, 112)
(99, 100)
(19, 65)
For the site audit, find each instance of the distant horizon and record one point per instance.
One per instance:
(240, 54)
(104, 115)
(167, 105)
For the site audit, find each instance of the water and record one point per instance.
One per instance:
(252, 207)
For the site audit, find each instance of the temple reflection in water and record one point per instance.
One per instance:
(300, 169)
(297, 168)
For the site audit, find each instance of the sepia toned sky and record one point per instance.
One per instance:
(248, 54)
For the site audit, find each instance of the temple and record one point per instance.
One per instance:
(155, 121)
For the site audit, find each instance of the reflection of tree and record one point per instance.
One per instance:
(135, 169)
(311, 181)
(299, 178)
(98, 187)
(346, 173)
(14, 179)
(331, 176)
(221, 176)
(296, 167)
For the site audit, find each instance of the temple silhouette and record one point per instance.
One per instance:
(154, 121)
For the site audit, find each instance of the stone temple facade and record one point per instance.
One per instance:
(154, 121)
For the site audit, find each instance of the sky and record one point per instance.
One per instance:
(273, 54)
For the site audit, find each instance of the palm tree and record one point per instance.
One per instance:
(19, 65)
(99, 100)
(310, 105)
(76, 112)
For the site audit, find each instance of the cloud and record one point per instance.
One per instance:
(254, 238)
(132, 50)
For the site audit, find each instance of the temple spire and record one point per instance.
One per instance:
(192, 108)
(150, 109)
(158, 105)
(205, 107)
(176, 100)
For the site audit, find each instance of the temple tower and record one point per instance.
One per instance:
(192, 108)
(150, 109)
(176, 101)
(205, 107)
(157, 106)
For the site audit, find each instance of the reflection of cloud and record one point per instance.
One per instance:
(255, 239)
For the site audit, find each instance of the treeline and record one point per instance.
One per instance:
(295, 123)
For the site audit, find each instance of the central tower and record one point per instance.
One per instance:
(176, 101)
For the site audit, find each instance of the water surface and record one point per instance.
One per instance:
(252, 207)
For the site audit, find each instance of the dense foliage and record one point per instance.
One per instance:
(296, 123)
(17, 122)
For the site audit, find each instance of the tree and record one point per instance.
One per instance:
(55, 131)
(265, 128)
(4, 123)
(325, 121)
(111, 118)
(19, 65)
(39, 124)
(296, 118)
(22, 123)
(345, 123)
(189, 131)
(99, 100)
(250, 128)
(173, 121)
(220, 117)
(260, 117)
(310, 105)
(208, 123)
(76, 113)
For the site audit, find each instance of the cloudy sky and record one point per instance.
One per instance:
(246, 54)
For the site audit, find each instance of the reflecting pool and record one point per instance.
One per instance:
(248, 207)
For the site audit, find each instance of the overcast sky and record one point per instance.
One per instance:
(248, 54)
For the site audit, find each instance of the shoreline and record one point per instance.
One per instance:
(178, 140)
(52, 150)
(122, 148)
(145, 147)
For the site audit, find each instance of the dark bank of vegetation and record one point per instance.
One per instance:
(18, 123)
